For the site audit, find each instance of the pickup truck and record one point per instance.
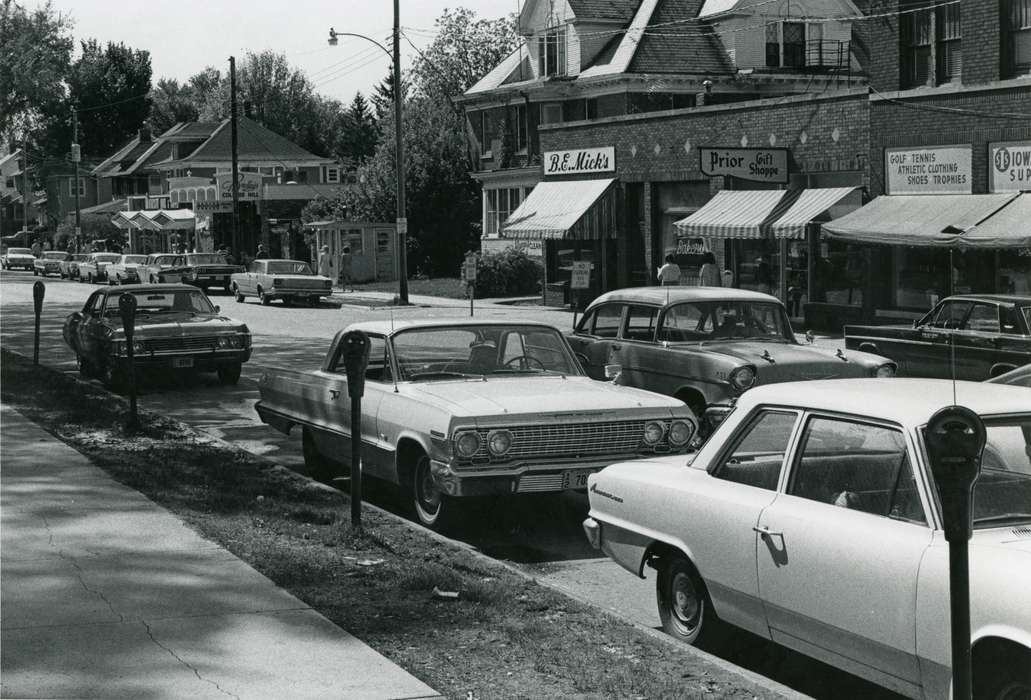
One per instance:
(454, 409)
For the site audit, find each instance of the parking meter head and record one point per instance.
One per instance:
(127, 308)
(38, 290)
(355, 354)
(955, 438)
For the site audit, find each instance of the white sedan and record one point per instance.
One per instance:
(810, 517)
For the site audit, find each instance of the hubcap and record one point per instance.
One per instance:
(426, 489)
(686, 605)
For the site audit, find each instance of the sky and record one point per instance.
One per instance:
(184, 36)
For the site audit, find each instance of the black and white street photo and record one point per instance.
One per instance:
(515, 349)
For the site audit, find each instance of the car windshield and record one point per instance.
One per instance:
(481, 351)
(724, 320)
(55, 255)
(107, 257)
(1026, 310)
(1002, 493)
(164, 301)
(135, 259)
(79, 258)
(288, 267)
(206, 259)
(19, 251)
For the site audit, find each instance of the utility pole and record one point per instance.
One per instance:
(76, 157)
(25, 183)
(236, 166)
(402, 221)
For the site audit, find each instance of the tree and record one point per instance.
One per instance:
(210, 94)
(383, 96)
(171, 103)
(464, 50)
(35, 55)
(358, 142)
(110, 86)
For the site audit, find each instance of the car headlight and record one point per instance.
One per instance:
(499, 442)
(229, 341)
(742, 377)
(653, 432)
(467, 443)
(138, 347)
(885, 370)
(680, 432)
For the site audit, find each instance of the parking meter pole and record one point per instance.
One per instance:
(355, 351)
(38, 292)
(472, 293)
(955, 437)
(127, 308)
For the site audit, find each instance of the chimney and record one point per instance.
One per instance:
(144, 134)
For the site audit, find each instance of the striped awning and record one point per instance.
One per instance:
(734, 214)
(929, 220)
(810, 204)
(575, 209)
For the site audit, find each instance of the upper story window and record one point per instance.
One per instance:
(82, 187)
(332, 175)
(932, 51)
(1016, 29)
(551, 52)
(515, 126)
(799, 44)
(500, 204)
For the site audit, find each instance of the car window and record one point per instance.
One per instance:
(640, 322)
(983, 317)
(859, 466)
(951, 314)
(606, 320)
(378, 369)
(758, 454)
(681, 323)
(1026, 310)
(91, 307)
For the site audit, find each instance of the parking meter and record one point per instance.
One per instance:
(127, 308)
(355, 354)
(955, 438)
(38, 291)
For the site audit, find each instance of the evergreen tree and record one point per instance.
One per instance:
(359, 138)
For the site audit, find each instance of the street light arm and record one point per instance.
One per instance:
(333, 34)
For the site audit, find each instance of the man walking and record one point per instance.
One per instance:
(325, 262)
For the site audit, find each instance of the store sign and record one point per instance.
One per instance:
(249, 187)
(942, 170)
(584, 160)
(692, 246)
(581, 275)
(1010, 169)
(756, 164)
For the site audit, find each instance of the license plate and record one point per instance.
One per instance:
(171, 278)
(182, 362)
(576, 479)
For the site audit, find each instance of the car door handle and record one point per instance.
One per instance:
(617, 347)
(766, 532)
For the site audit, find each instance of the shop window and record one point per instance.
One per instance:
(500, 205)
(839, 271)
(1017, 38)
(921, 277)
(932, 51)
(551, 52)
(1014, 275)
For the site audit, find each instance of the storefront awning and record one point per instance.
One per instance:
(734, 214)
(809, 205)
(574, 209)
(921, 220)
(1010, 226)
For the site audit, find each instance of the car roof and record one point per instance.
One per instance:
(391, 327)
(289, 260)
(119, 290)
(997, 298)
(907, 401)
(671, 295)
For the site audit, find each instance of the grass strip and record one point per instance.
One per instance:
(503, 637)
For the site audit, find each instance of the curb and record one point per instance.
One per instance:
(726, 666)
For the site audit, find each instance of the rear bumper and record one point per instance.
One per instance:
(185, 360)
(281, 292)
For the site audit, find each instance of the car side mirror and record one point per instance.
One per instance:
(613, 371)
(916, 323)
(809, 337)
(218, 309)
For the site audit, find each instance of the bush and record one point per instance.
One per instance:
(508, 273)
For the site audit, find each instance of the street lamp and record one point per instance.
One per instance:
(402, 221)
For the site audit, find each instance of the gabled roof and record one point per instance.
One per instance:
(679, 44)
(137, 154)
(13, 155)
(621, 10)
(255, 143)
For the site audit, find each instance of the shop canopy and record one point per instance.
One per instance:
(930, 220)
(735, 214)
(573, 209)
(155, 220)
(1010, 226)
(809, 205)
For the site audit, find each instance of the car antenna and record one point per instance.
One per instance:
(952, 341)
(386, 358)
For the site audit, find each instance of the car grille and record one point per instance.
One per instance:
(197, 344)
(568, 440)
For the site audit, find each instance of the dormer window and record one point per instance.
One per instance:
(551, 52)
(796, 45)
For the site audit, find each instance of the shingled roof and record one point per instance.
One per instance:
(678, 44)
(619, 10)
(254, 143)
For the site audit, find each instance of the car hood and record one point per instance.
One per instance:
(20, 256)
(1015, 537)
(535, 395)
(180, 324)
(783, 362)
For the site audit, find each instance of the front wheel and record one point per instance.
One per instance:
(238, 294)
(1005, 676)
(264, 298)
(684, 605)
(432, 508)
(229, 374)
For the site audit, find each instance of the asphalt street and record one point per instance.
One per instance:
(541, 534)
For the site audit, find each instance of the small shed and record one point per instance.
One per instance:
(372, 247)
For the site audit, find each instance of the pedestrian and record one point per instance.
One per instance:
(325, 262)
(763, 275)
(345, 268)
(709, 275)
(669, 274)
(37, 249)
(728, 278)
(262, 254)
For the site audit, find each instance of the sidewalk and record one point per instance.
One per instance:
(105, 594)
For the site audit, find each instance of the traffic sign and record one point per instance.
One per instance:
(402, 224)
(581, 275)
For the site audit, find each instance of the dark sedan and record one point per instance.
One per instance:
(968, 336)
(177, 328)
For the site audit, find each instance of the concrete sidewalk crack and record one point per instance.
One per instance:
(88, 589)
(50, 533)
(178, 658)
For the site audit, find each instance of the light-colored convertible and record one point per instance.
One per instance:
(455, 409)
(811, 517)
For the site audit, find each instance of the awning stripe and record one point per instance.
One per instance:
(809, 205)
(556, 210)
(732, 214)
(922, 220)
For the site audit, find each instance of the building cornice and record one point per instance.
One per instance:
(951, 89)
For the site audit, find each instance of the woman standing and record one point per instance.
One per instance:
(669, 274)
(709, 275)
